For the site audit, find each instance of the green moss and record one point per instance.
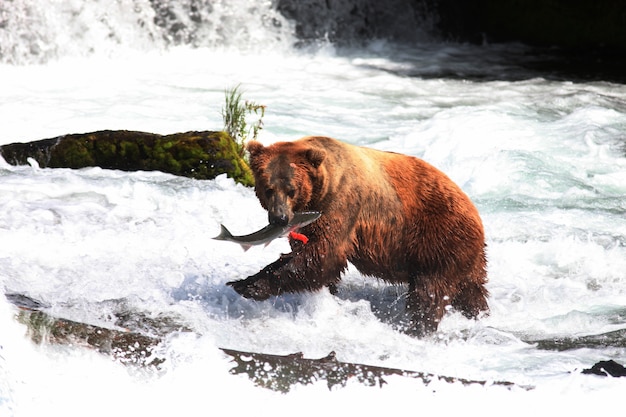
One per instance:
(129, 150)
(200, 155)
(72, 154)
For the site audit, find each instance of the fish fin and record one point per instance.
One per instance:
(224, 234)
(245, 247)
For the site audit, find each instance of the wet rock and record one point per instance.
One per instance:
(280, 373)
(564, 23)
(615, 338)
(134, 338)
(127, 347)
(606, 368)
(199, 155)
(353, 21)
(130, 337)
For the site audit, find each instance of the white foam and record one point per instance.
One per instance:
(541, 159)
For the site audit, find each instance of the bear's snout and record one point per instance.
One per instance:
(279, 218)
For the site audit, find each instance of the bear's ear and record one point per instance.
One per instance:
(315, 156)
(254, 147)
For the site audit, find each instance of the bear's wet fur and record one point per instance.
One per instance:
(393, 216)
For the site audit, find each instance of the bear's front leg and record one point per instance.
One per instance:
(308, 269)
(263, 284)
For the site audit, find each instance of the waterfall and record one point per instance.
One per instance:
(37, 31)
(349, 21)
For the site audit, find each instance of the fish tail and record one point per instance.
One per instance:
(224, 234)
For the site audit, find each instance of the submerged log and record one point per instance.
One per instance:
(281, 373)
(126, 346)
(133, 339)
(275, 372)
(200, 155)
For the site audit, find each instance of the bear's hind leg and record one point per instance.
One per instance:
(425, 305)
(472, 300)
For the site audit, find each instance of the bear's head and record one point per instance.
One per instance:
(287, 178)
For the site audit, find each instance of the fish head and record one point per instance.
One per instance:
(284, 175)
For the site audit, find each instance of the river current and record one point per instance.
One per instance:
(543, 158)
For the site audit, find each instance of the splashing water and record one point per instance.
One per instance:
(544, 160)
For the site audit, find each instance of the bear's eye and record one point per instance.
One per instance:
(291, 193)
(269, 193)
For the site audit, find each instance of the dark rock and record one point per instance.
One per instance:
(134, 337)
(615, 338)
(606, 368)
(281, 372)
(199, 155)
(129, 348)
(564, 23)
(354, 21)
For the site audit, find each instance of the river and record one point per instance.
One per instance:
(542, 156)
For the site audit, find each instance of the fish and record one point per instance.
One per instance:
(271, 231)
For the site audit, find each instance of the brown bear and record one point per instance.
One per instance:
(392, 216)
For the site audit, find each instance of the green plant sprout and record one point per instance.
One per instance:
(235, 113)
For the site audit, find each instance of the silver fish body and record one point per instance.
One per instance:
(269, 232)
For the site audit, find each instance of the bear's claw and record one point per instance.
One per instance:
(251, 288)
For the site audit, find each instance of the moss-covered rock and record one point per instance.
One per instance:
(129, 348)
(134, 339)
(200, 155)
